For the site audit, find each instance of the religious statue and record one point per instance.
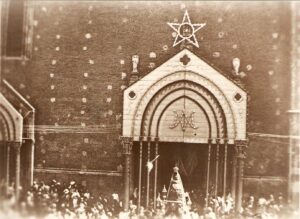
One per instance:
(135, 62)
(236, 65)
(176, 192)
(176, 200)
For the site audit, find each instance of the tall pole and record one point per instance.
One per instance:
(140, 172)
(7, 166)
(208, 172)
(217, 166)
(148, 172)
(225, 169)
(155, 172)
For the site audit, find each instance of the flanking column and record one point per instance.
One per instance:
(127, 143)
(17, 149)
(241, 146)
(155, 172)
(233, 174)
(29, 144)
(208, 173)
(217, 166)
(225, 168)
(31, 164)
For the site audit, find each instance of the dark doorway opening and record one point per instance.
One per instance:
(191, 159)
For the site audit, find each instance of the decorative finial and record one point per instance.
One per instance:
(135, 62)
(236, 65)
(134, 74)
(164, 189)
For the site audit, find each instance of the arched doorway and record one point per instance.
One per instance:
(16, 142)
(10, 137)
(196, 109)
(5, 135)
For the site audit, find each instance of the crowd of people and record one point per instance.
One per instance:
(70, 201)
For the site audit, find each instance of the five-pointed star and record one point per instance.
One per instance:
(186, 30)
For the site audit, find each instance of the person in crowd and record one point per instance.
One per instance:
(57, 200)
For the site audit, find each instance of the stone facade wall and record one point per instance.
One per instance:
(80, 60)
(266, 167)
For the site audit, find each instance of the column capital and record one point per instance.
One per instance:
(149, 138)
(16, 145)
(25, 140)
(240, 147)
(127, 143)
(218, 140)
(241, 143)
(126, 139)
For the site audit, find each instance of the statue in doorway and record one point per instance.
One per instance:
(176, 202)
(176, 190)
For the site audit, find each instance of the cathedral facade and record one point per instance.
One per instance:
(113, 95)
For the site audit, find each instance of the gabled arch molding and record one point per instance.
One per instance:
(191, 77)
(11, 120)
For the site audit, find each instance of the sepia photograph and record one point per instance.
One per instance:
(149, 109)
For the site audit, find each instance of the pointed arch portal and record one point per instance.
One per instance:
(16, 140)
(11, 124)
(184, 102)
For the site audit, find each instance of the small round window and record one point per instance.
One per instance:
(132, 95)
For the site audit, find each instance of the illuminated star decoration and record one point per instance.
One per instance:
(186, 30)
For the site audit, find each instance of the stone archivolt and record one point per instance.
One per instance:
(179, 90)
(204, 89)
